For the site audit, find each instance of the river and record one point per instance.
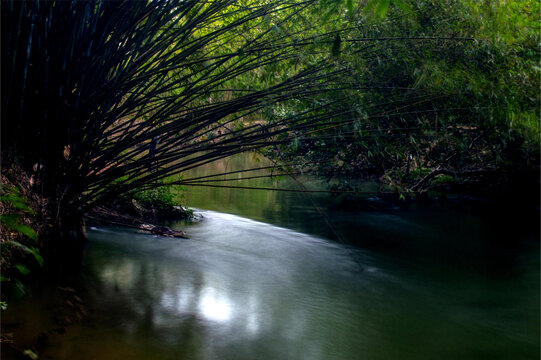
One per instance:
(279, 275)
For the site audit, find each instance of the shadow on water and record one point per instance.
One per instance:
(411, 283)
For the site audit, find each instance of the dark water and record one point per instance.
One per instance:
(295, 277)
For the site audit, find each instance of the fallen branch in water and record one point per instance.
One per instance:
(154, 229)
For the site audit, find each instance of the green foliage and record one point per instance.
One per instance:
(115, 96)
(419, 172)
(12, 222)
(29, 250)
(444, 179)
(16, 208)
(377, 8)
(11, 197)
(141, 91)
(31, 354)
(161, 196)
(22, 269)
(446, 85)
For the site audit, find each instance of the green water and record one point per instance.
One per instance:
(278, 275)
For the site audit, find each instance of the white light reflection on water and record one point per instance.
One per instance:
(253, 317)
(428, 284)
(215, 306)
(119, 274)
(234, 275)
(240, 289)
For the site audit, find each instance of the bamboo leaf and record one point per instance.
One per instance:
(336, 45)
(376, 9)
(349, 6)
(382, 8)
(403, 4)
(26, 230)
(22, 269)
(12, 222)
(35, 253)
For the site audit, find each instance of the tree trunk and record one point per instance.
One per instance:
(70, 234)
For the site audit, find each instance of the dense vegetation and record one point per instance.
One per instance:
(463, 81)
(106, 98)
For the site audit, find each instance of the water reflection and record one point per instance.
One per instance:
(214, 306)
(240, 289)
(234, 275)
(422, 284)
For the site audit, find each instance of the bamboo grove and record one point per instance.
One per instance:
(101, 98)
(108, 96)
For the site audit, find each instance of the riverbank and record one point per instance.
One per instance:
(128, 278)
(129, 213)
(29, 252)
(25, 226)
(27, 234)
(148, 213)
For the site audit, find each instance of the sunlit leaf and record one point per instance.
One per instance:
(31, 354)
(376, 8)
(402, 4)
(349, 5)
(26, 230)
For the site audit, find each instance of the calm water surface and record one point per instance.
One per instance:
(270, 275)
